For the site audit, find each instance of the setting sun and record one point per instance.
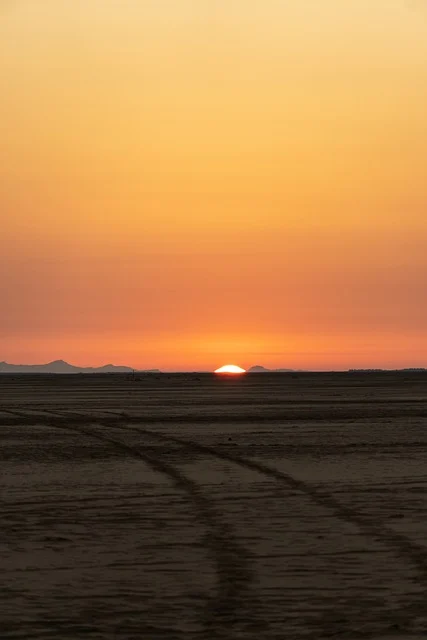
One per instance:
(237, 181)
(230, 368)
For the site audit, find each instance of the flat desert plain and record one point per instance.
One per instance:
(198, 506)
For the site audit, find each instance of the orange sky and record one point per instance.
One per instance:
(186, 183)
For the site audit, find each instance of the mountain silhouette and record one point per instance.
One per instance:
(60, 366)
(260, 369)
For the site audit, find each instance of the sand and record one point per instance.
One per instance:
(195, 506)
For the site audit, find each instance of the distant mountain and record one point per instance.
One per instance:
(60, 366)
(259, 369)
(408, 369)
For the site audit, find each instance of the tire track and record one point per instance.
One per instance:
(233, 601)
(378, 531)
(414, 553)
(417, 554)
(391, 538)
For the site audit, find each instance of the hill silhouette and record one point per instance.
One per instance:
(60, 366)
(260, 369)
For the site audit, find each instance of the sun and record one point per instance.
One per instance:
(230, 368)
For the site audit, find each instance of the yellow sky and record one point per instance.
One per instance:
(185, 183)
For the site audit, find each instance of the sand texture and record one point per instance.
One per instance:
(267, 506)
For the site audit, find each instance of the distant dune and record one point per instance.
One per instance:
(60, 366)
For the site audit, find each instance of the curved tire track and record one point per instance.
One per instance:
(417, 554)
(414, 552)
(230, 558)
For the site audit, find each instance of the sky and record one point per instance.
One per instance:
(187, 183)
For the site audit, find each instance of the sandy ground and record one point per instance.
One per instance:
(192, 506)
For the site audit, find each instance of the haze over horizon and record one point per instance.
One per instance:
(187, 184)
(61, 367)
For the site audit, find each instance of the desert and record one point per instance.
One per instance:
(198, 506)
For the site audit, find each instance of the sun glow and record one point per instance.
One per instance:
(230, 368)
